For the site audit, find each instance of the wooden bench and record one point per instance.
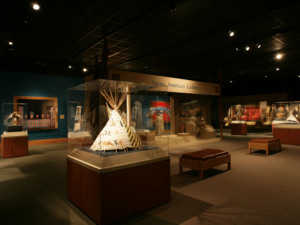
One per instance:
(265, 144)
(204, 160)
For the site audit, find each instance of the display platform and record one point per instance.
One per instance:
(238, 127)
(14, 144)
(287, 133)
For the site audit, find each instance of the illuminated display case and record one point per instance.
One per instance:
(14, 140)
(118, 139)
(14, 117)
(285, 112)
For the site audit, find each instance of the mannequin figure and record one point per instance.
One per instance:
(136, 115)
(159, 122)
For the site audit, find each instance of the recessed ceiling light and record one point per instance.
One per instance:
(278, 56)
(36, 6)
(231, 33)
(85, 69)
(10, 43)
(70, 67)
(277, 68)
(237, 48)
(231, 81)
(256, 45)
(247, 48)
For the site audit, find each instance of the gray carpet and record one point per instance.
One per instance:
(257, 190)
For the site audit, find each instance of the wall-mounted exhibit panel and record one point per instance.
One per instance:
(42, 112)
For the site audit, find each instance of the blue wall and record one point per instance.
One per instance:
(26, 84)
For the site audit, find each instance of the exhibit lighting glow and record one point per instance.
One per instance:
(231, 81)
(278, 56)
(256, 45)
(265, 76)
(36, 6)
(85, 69)
(247, 48)
(10, 43)
(70, 67)
(277, 68)
(231, 33)
(237, 48)
(299, 76)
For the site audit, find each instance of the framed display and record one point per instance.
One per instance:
(42, 112)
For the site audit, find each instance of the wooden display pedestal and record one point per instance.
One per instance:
(14, 146)
(108, 197)
(238, 128)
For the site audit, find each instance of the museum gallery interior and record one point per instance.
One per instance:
(150, 112)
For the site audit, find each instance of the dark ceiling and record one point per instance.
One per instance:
(145, 36)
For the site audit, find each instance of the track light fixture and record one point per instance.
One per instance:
(70, 67)
(212, 37)
(85, 69)
(231, 33)
(35, 6)
(256, 45)
(26, 19)
(278, 56)
(237, 48)
(277, 68)
(231, 81)
(172, 6)
(266, 76)
(10, 42)
(246, 47)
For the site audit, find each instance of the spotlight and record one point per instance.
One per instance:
(256, 45)
(172, 6)
(247, 48)
(85, 69)
(10, 42)
(26, 19)
(299, 76)
(278, 56)
(231, 33)
(231, 81)
(266, 76)
(277, 68)
(36, 6)
(237, 48)
(70, 67)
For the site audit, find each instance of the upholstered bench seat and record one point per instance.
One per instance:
(204, 160)
(264, 144)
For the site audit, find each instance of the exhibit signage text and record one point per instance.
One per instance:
(175, 85)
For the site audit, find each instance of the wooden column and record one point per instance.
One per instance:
(221, 105)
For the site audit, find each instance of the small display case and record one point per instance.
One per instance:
(14, 140)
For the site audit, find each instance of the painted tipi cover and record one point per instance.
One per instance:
(115, 134)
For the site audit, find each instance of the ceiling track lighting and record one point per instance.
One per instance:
(35, 6)
(11, 42)
(172, 6)
(278, 56)
(237, 48)
(85, 69)
(26, 19)
(256, 45)
(231, 33)
(247, 48)
(70, 67)
(277, 68)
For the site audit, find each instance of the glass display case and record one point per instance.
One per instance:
(113, 124)
(14, 117)
(285, 112)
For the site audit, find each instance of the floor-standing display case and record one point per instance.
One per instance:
(285, 124)
(14, 140)
(116, 166)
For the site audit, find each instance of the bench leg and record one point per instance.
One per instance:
(229, 163)
(200, 170)
(180, 167)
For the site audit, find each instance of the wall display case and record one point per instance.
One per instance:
(238, 127)
(111, 149)
(14, 140)
(42, 112)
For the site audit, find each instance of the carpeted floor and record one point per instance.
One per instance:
(257, 190)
